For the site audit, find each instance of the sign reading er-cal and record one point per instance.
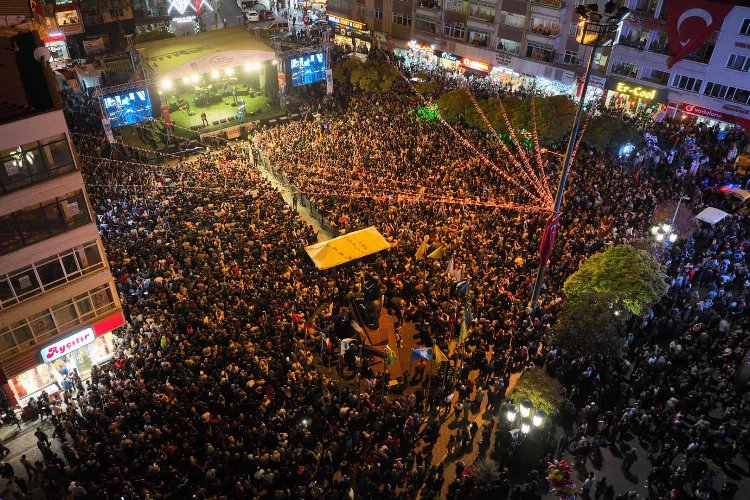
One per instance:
(67, 344)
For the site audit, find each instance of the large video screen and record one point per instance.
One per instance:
(308, 69)
(128, 108)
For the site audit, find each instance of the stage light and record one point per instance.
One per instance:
(214, 74)
(229, 71)
(195, 78)
(166, 84)
(186, 80)
(253, 66)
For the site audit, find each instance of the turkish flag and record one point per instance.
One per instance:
(548, 238)
(37, 6)
(692, 22)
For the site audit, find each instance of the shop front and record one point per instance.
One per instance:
(478, 67)
(55, 42)
(711, 117)
(448, 61)
(633, 97)
(79, 350)
(348, 32)
(418, 54)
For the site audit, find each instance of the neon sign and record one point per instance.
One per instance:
(181, 6)
(477, 65)
(67, 345)
(624, 88)
(342, 21)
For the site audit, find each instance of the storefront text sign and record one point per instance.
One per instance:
(639, 91)
(447, 56)
(67, 345)
(477, 65)
(349, 23)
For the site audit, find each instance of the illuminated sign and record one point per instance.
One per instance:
(54, 36)
(183, 20)
(447, 56)
(414, 45)
(641, 92)
(476, 65)
(181, 6)
(349, 23)
(68, 344)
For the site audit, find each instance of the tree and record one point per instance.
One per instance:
(486, 475)
(342, 71)
(632, 277)
(453, 105)
(150, 36)
(374, 76)
(540, 388)
(606, 132)
(554, 118)
(589, 325)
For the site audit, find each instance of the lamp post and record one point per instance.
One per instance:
(598, 27)
(667, 233)
(525, 417)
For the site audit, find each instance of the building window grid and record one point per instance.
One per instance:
(482, 10)
(460, 6)
(479, 38)
(745, 27)
(545, 27)
(724, 92)
(511, 19)
(687, 83)
(509, 46)
(53, 158)
(42, 221)
(100, 300)
(455, 30)
(10, 296)
(425, 23)
(378, 13)
(738, 62)
(401, 19)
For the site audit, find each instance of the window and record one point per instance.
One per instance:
(647, 6)
(546, 27)
(738, 62)
(35, 162)
(378, 13)
(539, 52)
(631, 37)
(703, 53)
(455, 30)
(687, 83)
(570, 57)
(626, 69)
(510, 19)
(459, 6)
(509, 46)
(600, 59)
(479, 38)
(573, 29)
(655, 76)
(659, 43)
(402, 19)
(425, 23)
(727, 93)
(480, 10)
(116, 13)
(745, 27)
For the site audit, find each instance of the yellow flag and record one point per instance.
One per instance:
(421, 250)
(438, 254)
(439, 356)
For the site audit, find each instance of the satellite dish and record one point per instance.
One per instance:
(42, 54)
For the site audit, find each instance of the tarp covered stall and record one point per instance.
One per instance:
(711, 215)
(347, 248)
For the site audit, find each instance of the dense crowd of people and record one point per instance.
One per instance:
(216, 392)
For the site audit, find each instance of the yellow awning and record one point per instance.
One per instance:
(347, 248)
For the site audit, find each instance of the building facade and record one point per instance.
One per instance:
(712, 84)
(58, 300)
(518, 41)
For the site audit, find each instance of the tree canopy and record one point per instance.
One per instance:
(369, 76)
(606, 132)
(633, 278)
(540, 388)
(590, 325)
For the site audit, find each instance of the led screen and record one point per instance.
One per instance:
(308, 69)
(128, 108)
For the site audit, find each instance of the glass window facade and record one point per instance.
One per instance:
(36, 162)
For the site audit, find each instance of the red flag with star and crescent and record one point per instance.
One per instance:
(37, 7)
(548, 238)
(692, 22)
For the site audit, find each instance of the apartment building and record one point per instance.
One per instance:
(58, 301)
(519, 41)
(712, 84)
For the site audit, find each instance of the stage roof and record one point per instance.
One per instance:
(204, 52)
(347, 248)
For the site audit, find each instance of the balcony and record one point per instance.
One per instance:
(659, 48)
(544, 35)
(550, 8)
(429, 4)
(628, 70)
(633, 44)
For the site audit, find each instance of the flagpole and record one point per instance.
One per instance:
(359, 373)
(429, 376)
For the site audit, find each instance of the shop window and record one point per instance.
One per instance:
(509, 46)
(511, 19)
(745, 27)
(425, 23)
(401, 19)
(455, 30)
(738, 63)
(687, 83)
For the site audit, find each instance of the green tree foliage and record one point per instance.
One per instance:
(453, 105)
(632, 277)
(342, 71)
(554, 117)
(540, 388)
(590, 325)
(486, 475)
(374, 76)
(150, 36)
(606, 132)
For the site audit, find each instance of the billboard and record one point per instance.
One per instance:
(308, 69)
(128, 108)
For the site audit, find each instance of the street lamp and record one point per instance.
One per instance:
(667, 232)
(598, 27)
(539, 417)
(526, 406)
(525, 416)
(511, 413)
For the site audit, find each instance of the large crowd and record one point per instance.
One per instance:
(217, 390)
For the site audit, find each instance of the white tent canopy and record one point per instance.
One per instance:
(711, 215)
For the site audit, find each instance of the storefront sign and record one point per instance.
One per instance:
(503, 60)
(54, 36)
(447, 56)
(414, 45)
(67, 345)
(349, 23)
(639, 91)
(475, 65)
(736, 109)
(712, 114)
(183, 20)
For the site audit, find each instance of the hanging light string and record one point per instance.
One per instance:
(529, 175)
(466, 143)
(537, 149)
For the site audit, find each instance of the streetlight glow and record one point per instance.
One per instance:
(214, 74)
(526, 406)
(525, 427)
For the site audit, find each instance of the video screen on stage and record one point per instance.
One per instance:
(308, 69)
(128, 108)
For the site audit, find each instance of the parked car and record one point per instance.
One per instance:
(266, 15)
(275, 28)
(251, 15)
